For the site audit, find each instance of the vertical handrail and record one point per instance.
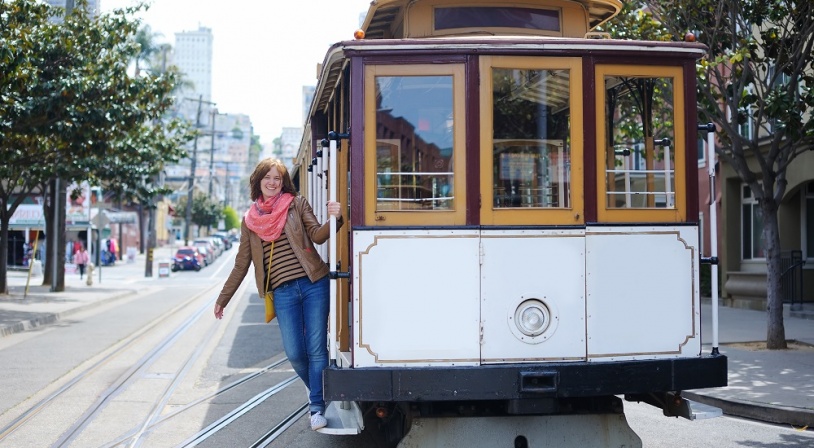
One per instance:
(713, 234)
(320, 191)
(332, 251)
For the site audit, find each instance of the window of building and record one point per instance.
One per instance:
(751, 226)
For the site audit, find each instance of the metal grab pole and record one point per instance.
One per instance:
(332, 252)
(713, 234)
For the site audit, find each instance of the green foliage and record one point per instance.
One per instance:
(205, 211)
(760, 59)
(70, 108)
(634, 23)
(231, 218)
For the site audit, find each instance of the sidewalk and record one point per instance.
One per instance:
(23, 309)
(774, 386)
(768, 385)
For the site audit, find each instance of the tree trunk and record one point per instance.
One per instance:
(61, 226)
(4, 225)
(776, 332)
(55, 213)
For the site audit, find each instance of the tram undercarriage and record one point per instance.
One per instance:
(531, 405)
(530, 422)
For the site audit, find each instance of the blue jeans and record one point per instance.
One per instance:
(302, 313)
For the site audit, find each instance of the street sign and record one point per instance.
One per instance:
(100, 220)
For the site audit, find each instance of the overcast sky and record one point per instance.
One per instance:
(264, 51)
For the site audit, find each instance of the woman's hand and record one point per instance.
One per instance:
(218, 311)
(334, 209)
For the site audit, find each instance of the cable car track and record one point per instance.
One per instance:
(126, 343)
(190, 326)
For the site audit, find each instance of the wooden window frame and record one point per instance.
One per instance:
(677, 214)
(573, 215)
(453, 217)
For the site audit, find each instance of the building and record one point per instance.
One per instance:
(193, 57)
(307, 97)
(289, 144)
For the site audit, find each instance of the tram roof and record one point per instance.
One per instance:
(383, 14)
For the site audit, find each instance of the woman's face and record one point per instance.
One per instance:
(272, 183)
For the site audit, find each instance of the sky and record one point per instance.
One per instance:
(263, 51)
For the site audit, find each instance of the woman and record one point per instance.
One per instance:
(299, 277)
(81, 258)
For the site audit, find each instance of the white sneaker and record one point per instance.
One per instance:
(318, 421)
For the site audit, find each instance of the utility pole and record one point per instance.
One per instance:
(192, 168)
(212, 152)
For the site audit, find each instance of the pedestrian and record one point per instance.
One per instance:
(298, 276)
(81, 258)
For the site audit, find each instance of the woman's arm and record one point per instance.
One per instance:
(243, 260)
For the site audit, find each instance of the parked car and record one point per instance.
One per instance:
(219, 248)
(207, 249)
(227, 243)
(187, 258)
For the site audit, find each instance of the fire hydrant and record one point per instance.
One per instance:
(89, 281)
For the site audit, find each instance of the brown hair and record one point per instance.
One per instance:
(260, 171)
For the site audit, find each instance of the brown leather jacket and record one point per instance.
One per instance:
(302, 230)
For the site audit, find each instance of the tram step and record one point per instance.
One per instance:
(344, 418)
(701, 411)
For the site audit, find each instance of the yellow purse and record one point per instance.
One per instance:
(270, 312)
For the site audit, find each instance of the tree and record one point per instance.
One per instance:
(230, 218)
(205, 211)
(760, 68)
(70, 109)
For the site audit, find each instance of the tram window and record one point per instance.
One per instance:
(640, 160)
(414, 143)
(531, 155)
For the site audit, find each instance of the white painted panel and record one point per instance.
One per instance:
(544, 265)
(417, 299)
(642, 292)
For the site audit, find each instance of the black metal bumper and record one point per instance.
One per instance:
(516, 381)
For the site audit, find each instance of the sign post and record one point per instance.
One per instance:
(100, 221)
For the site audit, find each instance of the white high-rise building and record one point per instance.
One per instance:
(193, 57)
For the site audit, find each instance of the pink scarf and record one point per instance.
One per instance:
(267, 217)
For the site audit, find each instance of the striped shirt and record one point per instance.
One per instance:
(284, 264)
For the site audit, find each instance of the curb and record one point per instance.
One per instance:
(50, 318)
(761, 412)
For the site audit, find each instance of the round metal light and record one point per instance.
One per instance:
(532, 317)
